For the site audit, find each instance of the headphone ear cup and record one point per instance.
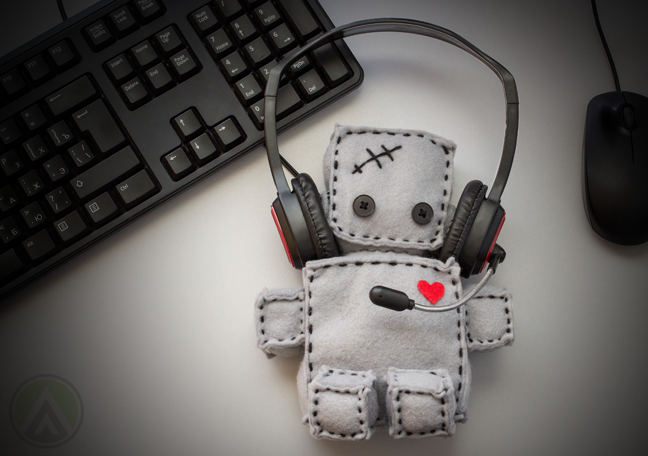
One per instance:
(467, 209)
(319, 230)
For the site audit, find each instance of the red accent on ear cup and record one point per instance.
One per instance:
(492, 246)
(283, 239)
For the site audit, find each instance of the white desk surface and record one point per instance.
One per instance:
(154, 326)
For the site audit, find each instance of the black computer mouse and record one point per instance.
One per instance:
(615, 167)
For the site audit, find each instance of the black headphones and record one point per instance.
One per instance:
(477, 222)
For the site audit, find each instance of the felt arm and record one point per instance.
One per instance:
(489, 319)
(279, 321)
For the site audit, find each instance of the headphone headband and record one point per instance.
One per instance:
(404, 26)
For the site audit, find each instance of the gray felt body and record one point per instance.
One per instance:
(365, 366)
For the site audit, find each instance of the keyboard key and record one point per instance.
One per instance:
(243, 29)
(147, 10)
(98, 36)
(233, 66)
(302, 65)
(144, 54)
(8, 199)
(9, 264)
(70, 227)
(187, 125)
(81, 154)
(105, 173)
(257, 52)
(96, 120)
(102, 209)
(287, 101)
(169, 40)
(159, 78)
(267, 15)
(71, 96)
(119, 68)
(10, 163)
(39, 246)
(33, 118)
(204, 20)
(228, 8)
(9, 132)
(300, 18)
(282, 39)
(178, 164)
(35, 148)
(13, 84)
(123, 21)
(64, 55)
(203, 149)
(248, 89)
(227, 134)
(58, 200)
(136, 189)
(33, 215)
(312, 85)
(258, 114)
(135, 93)
(219, 43)
(330, 60)
(37, 69)
(56, 169)
(183, 64)
(264, 72)
(31, 183)
(60, 134)
(9, 230)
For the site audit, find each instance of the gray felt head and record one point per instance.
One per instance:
(398, 170)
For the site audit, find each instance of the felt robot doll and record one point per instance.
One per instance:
(364, 366)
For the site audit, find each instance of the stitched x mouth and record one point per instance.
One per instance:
(374, 158)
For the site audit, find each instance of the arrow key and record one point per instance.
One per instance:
(178, 164)
(203, 149)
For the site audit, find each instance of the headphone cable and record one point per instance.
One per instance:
(61, 9)
(605, 46)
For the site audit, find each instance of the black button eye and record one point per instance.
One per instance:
(422, 213)
(364, 205)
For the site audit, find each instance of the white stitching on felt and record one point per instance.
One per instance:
(334, 192)
(509, 323)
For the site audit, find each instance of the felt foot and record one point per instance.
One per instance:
(420, 403)
(343, 404)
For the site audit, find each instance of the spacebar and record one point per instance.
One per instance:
(105, 173)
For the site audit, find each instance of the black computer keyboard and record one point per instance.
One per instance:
(123, 106)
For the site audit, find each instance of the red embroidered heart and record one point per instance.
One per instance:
(433, 292)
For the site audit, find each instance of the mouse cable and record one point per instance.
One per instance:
(61, 9)
(605, 46)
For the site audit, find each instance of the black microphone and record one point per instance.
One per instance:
(399, 301)
(391, 299)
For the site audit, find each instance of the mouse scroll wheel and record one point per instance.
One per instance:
(628, 117)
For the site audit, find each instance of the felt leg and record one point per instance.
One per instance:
(420, 403)
(279, 321)
(489, 319)
(343, 404)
